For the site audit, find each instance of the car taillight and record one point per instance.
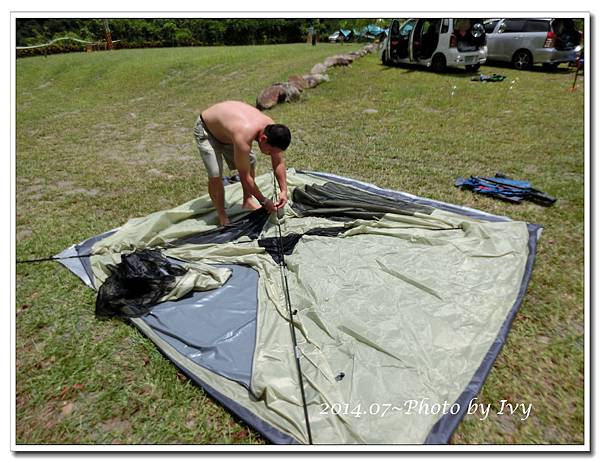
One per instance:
(453, 41)
(549, 43)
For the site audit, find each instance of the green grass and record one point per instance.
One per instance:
(107, 136)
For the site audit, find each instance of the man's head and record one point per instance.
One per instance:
(274, 137)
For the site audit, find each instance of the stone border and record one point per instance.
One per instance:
(287, 92)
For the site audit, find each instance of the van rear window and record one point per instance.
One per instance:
(536, 25)
(465, 23)
(514, 25)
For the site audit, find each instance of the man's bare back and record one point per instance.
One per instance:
(239, 125)
(231, 119)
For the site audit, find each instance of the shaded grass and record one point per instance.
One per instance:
(104, 137)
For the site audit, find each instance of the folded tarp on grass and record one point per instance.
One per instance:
(399, 299)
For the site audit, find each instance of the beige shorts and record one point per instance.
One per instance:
(213, 151)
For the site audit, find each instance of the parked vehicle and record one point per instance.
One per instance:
(335, 37)
(529, 41)
(342, 35)
(436, 43)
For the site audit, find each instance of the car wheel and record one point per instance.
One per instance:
(550, 66)
(438, 63)
(522, 59)
(472, 67)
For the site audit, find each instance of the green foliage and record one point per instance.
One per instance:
(167, 33)
(160, 32)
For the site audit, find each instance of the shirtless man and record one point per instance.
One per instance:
(227, 130)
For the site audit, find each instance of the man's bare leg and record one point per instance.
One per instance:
(217, 194)
(249, 202)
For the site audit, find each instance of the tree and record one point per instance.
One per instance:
(168, 33)
(184, 37)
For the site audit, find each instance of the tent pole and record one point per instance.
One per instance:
(283, 269)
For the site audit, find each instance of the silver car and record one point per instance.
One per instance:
(528, 41)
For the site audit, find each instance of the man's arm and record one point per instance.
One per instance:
(241, 152)
(278, 165)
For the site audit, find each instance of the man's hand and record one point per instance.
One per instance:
(282, 201)
(269, 206)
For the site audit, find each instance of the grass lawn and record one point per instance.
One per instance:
(106, 136)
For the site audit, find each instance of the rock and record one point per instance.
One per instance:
(370, 48)
(298, 81)
(291, 92)
(337, 60)
(277, 93)
(370, 111)
(315, 79)
(311, 82)
(270, 96)
(319, 68)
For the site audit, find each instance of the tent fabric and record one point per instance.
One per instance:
(372, 31)
(215, 328)
(136, 284)
(391, 309)
(147, 285)
(250, 226)
(334, 200)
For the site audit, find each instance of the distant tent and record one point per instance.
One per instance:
(372, 32)
(400, 303)
(347, 33)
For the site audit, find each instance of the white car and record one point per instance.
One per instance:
(436, 42)
(335, 37)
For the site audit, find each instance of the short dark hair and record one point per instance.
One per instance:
(278, 135)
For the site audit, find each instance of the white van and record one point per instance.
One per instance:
(436, 42)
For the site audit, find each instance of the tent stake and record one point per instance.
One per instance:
(576, 73)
